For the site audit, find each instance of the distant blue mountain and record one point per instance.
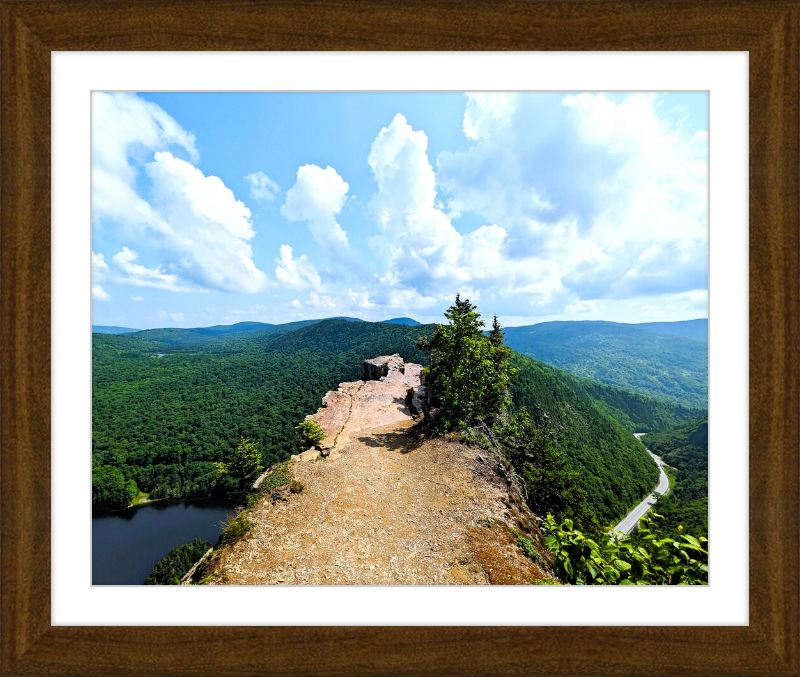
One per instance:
(403, 320)
(630, 356)
(693, 329)
(229, 328)
(101, 329)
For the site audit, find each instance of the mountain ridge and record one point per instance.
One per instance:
(656, 364)
(446, 513)
(264, 384)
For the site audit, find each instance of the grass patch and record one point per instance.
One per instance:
(296, 487)
(280, 476)
(140, 498)
(526, 545)
(236, 529)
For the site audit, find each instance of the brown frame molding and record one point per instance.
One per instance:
(31, 29)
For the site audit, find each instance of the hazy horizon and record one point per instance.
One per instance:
(335, 317)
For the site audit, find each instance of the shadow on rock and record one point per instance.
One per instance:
(403, 441)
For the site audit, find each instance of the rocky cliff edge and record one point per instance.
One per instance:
(385, 504)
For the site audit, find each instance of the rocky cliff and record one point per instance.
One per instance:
(382, 503)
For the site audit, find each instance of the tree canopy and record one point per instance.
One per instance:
(469, 374)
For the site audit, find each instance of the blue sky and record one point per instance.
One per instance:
(214, 208)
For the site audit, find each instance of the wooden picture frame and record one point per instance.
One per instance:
(31, 29)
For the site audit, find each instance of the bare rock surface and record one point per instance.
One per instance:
(388, 506)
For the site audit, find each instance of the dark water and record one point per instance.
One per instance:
(126, 544)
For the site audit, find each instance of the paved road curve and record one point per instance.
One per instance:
(632, 518)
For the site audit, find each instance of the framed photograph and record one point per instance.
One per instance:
(377, 151)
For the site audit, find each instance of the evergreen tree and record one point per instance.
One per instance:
(468, 373)
(552, 487)
(496, 335)
(245, 467)
(310, 433)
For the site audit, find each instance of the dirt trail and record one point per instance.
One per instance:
(386, 507)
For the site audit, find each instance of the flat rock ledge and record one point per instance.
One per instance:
(380, 398)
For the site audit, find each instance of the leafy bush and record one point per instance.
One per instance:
(236, 529)
(656, 560)
(296, 487)
(176, 563)
(309, 433)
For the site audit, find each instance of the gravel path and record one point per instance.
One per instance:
(386, 507)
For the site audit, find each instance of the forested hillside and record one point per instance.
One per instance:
(616, 472)
(693, 329)
(660, 365)
(635, 411)
(162, 422)
(686, 450)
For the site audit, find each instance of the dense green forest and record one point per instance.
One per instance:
(686, 450)
(615, 470)
(161, 423)
(661, 365)
(176, 563)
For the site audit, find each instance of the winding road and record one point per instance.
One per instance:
(632, 518)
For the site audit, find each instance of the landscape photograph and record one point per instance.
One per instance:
(400, 338)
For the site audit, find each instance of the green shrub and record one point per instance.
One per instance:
(653, 560)
(296, 487)
(236, 529)
(309, 433)
(280, 475)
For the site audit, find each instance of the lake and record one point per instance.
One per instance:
(126, 544)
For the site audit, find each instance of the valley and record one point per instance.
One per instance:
(162, 425)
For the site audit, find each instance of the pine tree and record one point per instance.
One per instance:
(496, 335)
(469, 376)
(245, 467)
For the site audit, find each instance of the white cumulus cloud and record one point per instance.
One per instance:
(100, 294)
(200, 231)
(317, 197)
(598, 197)
(141, 276)
(295, 273)
(262, 188)
(422, 246)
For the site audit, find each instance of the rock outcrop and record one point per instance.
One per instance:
(378, 367)
(387, 505)
(417, 400)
